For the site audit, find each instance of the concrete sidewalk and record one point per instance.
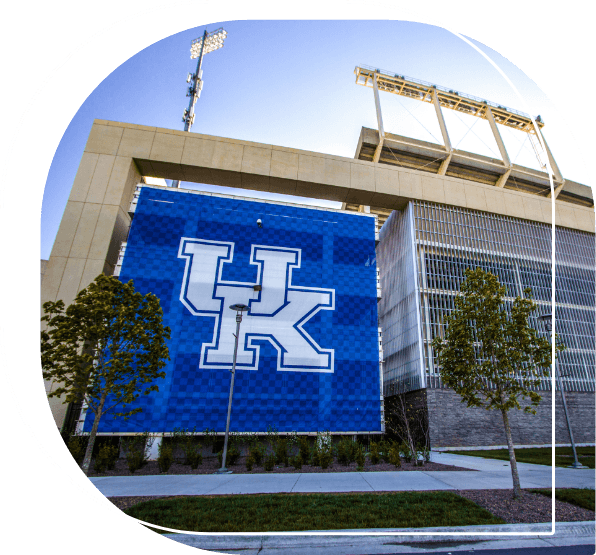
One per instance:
(483, 474)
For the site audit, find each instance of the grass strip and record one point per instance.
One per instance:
(300, 512)
(537, 455)
(584, 498)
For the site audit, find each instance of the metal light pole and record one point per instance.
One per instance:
(198, 48)
(239, 308)
(546, 320)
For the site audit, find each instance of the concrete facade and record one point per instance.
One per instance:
(117, 155)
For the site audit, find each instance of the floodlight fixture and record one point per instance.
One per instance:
(198, 48)
(208, 43)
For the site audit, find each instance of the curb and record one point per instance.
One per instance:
(580, 532)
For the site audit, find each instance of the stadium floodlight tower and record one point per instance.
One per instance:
(198, 48)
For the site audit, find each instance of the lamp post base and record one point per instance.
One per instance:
(578, 465)
(223, 471)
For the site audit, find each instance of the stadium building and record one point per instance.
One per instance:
(310, 358)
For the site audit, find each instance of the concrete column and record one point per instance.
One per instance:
(94, 224)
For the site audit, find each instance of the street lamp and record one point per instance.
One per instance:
(198, 48)
(239, 308)
(546, 320)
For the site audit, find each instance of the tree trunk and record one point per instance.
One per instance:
(91, 441)
(514, 473)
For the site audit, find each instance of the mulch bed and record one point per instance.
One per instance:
(530, 508)
(210, 465)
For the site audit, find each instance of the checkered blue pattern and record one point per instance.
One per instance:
(338, 252)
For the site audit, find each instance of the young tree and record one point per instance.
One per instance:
(106, 348)
(492, 357)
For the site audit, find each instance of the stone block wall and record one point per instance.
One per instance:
(453, 424)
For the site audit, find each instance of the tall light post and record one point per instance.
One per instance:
(239, 308)
(546, 320)
(198, 48)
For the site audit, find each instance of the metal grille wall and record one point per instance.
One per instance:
(448, 240)
(399, 311)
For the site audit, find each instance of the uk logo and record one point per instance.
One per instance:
(277, 312)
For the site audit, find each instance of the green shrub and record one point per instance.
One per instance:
(304, 450)
(194, 459)
(315, 456)
(231, 456)
(384, 450)
(360, 458)
(190, 446)
(296, 462)
(281, 451)
(374, 453)
(249, 462)
(137, 450)
(106, 458)
(257, 452)
(394, 455)
(269, 463)
(165, 456)
(406, 452)
(326, 458)
(77, 445)
(345, 451)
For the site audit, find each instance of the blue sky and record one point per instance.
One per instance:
(291, 83)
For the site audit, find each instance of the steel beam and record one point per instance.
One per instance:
(497, 135)
(379, 148)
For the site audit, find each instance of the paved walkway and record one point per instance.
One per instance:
(483, 474)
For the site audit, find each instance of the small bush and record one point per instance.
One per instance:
(304, 450)
(249, 462)
(194, 459)
(407, 452)
(77, 445)
(165, 456)
(257, 452)
(281, 451)
(346, 451)
(296, 462)
(231, 456)
(374, 453)
(360, 458)
(269, 463)
(384, 450)
(315, 456)
(326, 458)
(394, 455)
(106, 458)
(137, 450)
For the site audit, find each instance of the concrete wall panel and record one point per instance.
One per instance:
(167, 148)
(69, 285)
(284, 165)
(82, 181)
(67, 229)
(198, 152)
(101, 177)
(85, 230)
(455, 192)
(136, 143)
(104, 139)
